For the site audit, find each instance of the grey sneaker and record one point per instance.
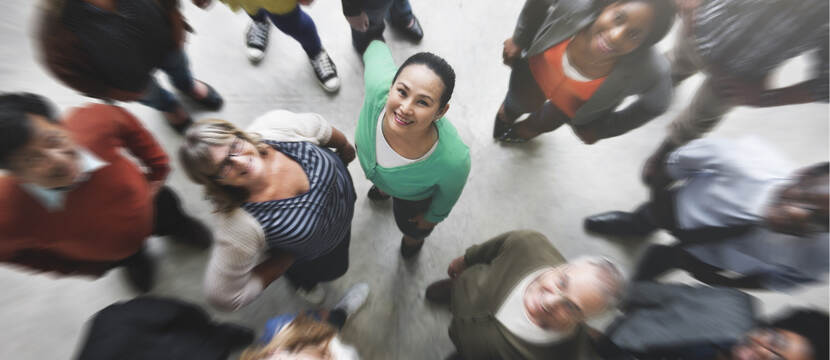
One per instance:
(256, 39)
(325, 71)
(315, 296)
(354, 299)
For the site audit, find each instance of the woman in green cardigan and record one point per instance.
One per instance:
(406, 147)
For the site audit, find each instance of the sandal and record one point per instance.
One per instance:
(212, 101)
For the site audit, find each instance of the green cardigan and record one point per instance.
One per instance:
(441, 176)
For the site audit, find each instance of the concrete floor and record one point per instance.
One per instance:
(549, 184)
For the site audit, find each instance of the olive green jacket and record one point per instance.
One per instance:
(494, 268)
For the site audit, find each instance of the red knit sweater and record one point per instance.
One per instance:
(105, 219)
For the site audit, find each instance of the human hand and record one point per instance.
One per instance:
(511, 52)
(457, 266)
(739, 91)
(654, 171)
(421, 223)
(346, 153)
(203, 4)
(359, 22)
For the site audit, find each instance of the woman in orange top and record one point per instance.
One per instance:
(574, 61)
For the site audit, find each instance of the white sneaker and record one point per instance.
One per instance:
(354, 299)
(325, 71)
(256, 38)
(315, 296)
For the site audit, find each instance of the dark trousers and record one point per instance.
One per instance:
(397, 11)
(525, 96)
(407, 209)
(297, 24)
(328, 267)
(659, 259)
(177, 67)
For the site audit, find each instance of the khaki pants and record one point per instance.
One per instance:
(706, 108)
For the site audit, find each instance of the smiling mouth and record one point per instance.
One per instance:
(603, 46)
(401, 121)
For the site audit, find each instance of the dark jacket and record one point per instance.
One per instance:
(76, 60)
(154, 328)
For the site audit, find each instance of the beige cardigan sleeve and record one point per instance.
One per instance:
(282, 125)
(239, 247)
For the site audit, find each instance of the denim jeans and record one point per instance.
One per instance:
(177, 68)
(297, 24)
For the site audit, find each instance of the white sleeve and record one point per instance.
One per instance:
(283, 125)
(701, 155)
(240, 243)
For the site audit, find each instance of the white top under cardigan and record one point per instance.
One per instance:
(239, 243)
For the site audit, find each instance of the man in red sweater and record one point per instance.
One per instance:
(72, 203)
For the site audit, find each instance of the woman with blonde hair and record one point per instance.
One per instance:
(285, 203)
(312, 335)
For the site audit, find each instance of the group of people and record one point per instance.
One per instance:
(285, 198)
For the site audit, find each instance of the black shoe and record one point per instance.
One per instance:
(192, 232)
(439, 292)
(140, 271)
(408, 251)
(178, 119)
(212, 101)
(411, 28)
(376, 195)
(617, 223)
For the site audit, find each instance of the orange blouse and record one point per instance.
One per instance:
(566, 93)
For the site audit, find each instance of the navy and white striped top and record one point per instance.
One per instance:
(312, 224)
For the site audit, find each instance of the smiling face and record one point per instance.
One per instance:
(772, 344)
(237, 163)
(413, 103)
(50, 159)
(620, 29)
(563, 297)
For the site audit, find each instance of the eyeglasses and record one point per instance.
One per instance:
(573, 310)
(225, 166)
(770, 340)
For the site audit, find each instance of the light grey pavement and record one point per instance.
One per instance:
(549, 185)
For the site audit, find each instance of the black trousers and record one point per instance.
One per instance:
(168, 215)
(328, 267)
(407, 209)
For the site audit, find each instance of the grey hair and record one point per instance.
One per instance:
(610, 276)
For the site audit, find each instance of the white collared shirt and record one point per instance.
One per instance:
(54, 199)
